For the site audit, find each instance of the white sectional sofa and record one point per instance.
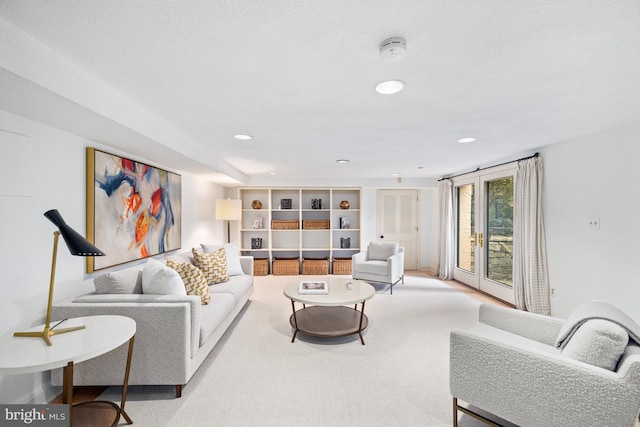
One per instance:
(174, 333)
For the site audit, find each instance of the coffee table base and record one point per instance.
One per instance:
(328, 321)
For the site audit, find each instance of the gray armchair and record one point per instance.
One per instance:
(381, 263)
(509, 365)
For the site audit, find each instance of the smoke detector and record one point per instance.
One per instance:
(393, 49)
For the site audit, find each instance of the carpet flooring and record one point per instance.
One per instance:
(255, 376)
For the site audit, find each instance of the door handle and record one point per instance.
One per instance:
(480, 239)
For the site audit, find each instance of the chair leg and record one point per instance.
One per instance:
(455, 412)
(469, 412)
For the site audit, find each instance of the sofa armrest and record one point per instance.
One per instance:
(505, 379)
(540, 328)
(247, 264)
(149, 309)
(396, 265)
(162, 349)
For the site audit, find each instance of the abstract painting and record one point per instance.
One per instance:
(133, 209)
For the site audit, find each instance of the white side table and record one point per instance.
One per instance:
(21, 355)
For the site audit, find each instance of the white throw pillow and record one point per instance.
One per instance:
(597, 342)
(234, 268)
(382, 251)
(157, 278)
(127, 281)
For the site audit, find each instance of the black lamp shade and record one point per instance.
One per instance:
(77, 244)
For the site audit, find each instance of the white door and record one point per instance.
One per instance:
(484, 232)
(398, 222)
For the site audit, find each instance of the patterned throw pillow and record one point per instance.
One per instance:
(213, 265)
(194, 281)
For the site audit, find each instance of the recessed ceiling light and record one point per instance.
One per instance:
(243, 137)
(273, 173)
(467, 140)
(395, 174)
(389, 87)
(342, 161)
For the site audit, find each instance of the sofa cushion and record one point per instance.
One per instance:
(213, 265)
(380, 268)
(597, 342)
(233, 259)
(127, 281)
(381, 251)
(194, 280)
(157, 278)
(236, 286)
(213, 314)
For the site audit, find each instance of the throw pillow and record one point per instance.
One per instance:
(127, 281)
(381, 251)
(213, 265)
(194, 281)
(234, 268)
(598, 342)
(157, 278)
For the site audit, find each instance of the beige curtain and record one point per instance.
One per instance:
(446, 254)
(530, 274)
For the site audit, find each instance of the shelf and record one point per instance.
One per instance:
(300, 242)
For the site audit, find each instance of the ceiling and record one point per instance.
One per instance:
(299, 77)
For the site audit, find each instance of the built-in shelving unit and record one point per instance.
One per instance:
(318, 205)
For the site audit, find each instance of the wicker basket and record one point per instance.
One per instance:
(286, 266)
(260, 266)
(342, 266)
(285, 224)
(315, 266)
(315, 224)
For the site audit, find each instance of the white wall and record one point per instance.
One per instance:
(427, 209)
(55, 174)
(594, 176)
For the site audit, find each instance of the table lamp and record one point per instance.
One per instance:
(229, 210)
(77, 245)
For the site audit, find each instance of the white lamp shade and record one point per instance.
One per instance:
(229, 209)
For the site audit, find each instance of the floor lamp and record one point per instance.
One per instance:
(228, 210)
(77, 245)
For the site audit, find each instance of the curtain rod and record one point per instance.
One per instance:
(488, 167)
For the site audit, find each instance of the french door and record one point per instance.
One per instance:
(483, 203)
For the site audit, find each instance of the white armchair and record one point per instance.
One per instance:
(509, 365)
(381, 263)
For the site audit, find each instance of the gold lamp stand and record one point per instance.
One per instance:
(47, 333)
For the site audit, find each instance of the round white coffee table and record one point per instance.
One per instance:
(327, 315)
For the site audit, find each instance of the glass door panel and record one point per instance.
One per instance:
(465, 199)
(495, 234)
(499, 239)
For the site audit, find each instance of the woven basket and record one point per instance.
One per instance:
(342, 266)
(315, 266)
(285, 224)
(260, 266)
(286, 266)
(315, 224)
